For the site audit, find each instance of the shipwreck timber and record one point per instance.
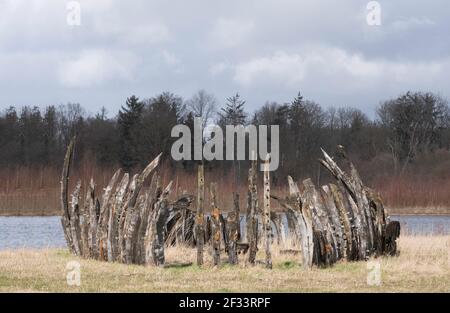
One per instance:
(131, 224)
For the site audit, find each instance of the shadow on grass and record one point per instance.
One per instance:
(178, 265)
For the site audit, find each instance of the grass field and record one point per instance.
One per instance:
(423, 265)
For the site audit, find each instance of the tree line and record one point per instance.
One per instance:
(406, 127)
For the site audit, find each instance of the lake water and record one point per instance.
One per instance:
(46, 232)
(31, 232)
(423, 224)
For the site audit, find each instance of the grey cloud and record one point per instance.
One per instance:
(267, 50)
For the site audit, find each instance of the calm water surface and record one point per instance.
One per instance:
(46, 232)
(31, 232)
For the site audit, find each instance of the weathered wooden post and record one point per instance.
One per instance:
(266, 217)
(200, 219)
(278, 229)
(65, 219)
(321, 225)
(215, 219)
(157, 228)
(299, 217)
(102, 228)
(346, 220)
(90, 207)
(113, 223)
(337, 226)
(146, 216)
(75, 220)
(233, 230)
(252, 210)
(304, 222)
(124, 216)
(181, 235)
(84, 226)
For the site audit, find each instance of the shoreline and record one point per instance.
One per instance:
(419, 211)
(397, 212)
(420, 214)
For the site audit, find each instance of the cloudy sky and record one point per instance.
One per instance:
(265, 50)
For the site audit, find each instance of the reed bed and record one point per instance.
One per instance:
(35, 191)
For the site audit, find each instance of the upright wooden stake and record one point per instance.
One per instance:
(252, 210)
(266, 218)
(75, 220)
(102, 228)
(65, 219)
(113, 222)
(215, 219)
(157, 228)
(233, 230)
(345, 221)
(200, 219)
(146, 215)
(93, 220)
(84, 226)
(337, 227)
(304, 222)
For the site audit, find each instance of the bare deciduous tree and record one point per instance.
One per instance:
(204, 105)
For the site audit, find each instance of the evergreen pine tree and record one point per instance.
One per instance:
(233, 113)
(129, 121)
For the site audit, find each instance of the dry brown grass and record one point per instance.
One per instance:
(423, 265)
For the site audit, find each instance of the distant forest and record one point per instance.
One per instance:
(410, 134)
